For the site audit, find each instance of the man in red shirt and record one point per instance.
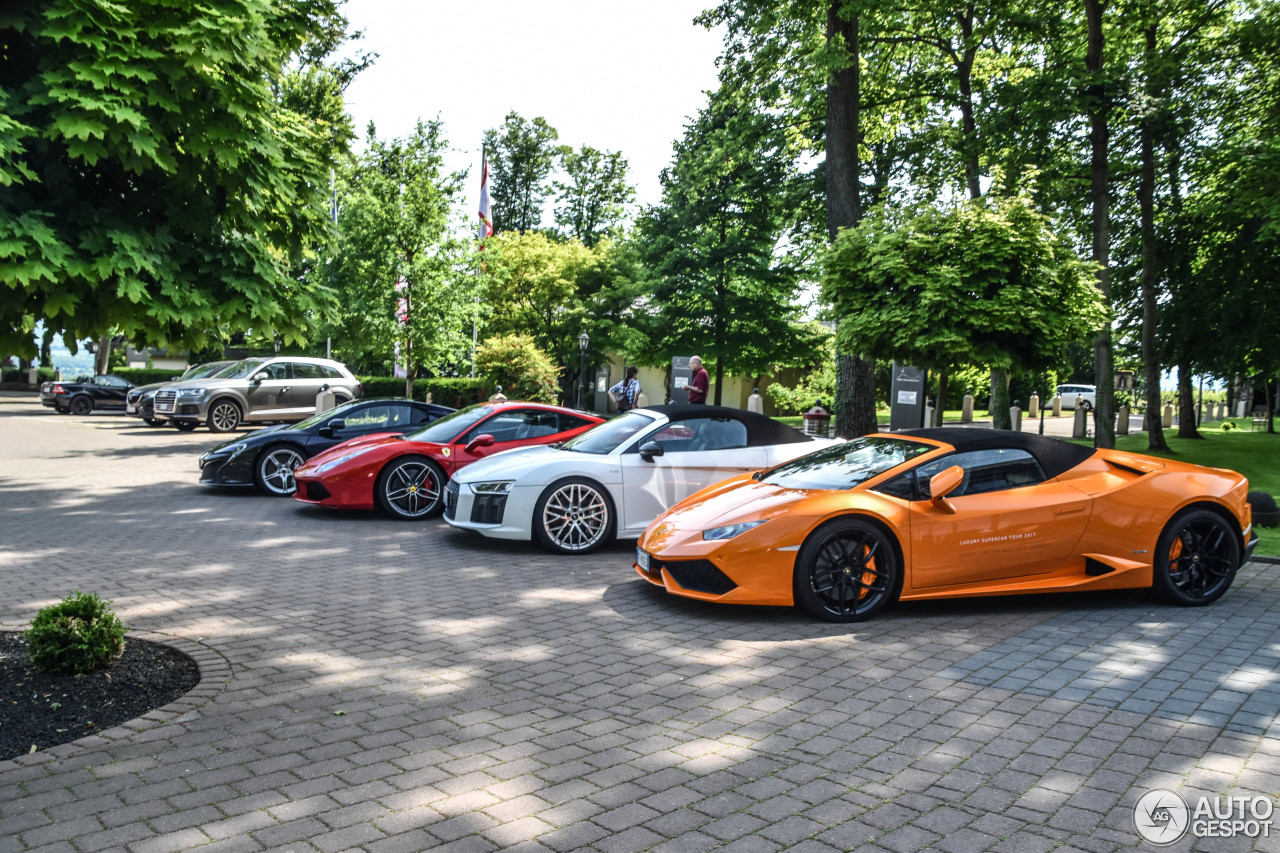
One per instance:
(700, 384)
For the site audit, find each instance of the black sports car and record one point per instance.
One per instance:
(266, 458)
(83, 394)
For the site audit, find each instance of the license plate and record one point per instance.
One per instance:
(642, 559)
(130, 410)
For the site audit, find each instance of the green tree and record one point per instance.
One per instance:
(723, 286)
(982, 282)
(594, 194)
(521, 156)
(154, 175)
(524, 371)
(395, 206)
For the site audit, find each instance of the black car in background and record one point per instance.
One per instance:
(266, 458)
(83, 394)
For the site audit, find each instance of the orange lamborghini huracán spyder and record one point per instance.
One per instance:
(941, 513)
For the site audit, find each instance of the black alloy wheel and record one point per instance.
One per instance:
(273, 471)
(1196, 559)
(847, 570)
(224, 416)
(410, 488)
(81, 405)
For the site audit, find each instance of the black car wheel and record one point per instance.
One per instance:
(81, 405)
(573, 517)
(273, 472)
(410, 488)
(148, 413)
(1196, 559)
(847, 570)
(185, 426)
(224, 416)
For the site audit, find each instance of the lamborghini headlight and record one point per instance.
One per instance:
(730, 531)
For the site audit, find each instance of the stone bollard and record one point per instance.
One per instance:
(1015, 417)
(966, 410)
(1033, 409)
(33, 376)
(1167, 421)
(928, 414)
(498, 396)
(1240, 408)
(1222, 410)
(324, 399)
(1122, 420)
(755, 403)
(1057, 405)
(1080, 427)
(642, 400)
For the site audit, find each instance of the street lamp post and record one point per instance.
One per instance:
(583, 342)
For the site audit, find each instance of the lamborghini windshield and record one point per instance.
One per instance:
(843, 466)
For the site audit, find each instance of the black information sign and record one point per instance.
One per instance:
(906, 398)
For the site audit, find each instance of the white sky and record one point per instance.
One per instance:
(617, 75)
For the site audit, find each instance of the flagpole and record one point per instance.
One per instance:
(485, 229)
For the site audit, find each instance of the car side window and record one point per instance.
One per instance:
(992, 470)
(371, 419)
(305, 370)
(701, 434)
(275, 370)
(329, 372)
(504, 426)
(568, 422)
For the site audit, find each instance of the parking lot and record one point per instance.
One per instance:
(390, 686)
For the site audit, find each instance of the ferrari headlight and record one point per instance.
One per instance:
(497, 487)
(346, 457)
(729, 531)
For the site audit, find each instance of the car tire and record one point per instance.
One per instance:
(185, 426)
(224, 416)
(1196, 559)
(1086, 405)
(273, 470)
(80, 406)
(148, 414)
(847, 570)
(410, 488)
(574, 516)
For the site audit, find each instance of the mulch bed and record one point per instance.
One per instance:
(42, 710)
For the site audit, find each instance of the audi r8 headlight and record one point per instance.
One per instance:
(729, 531)
(346, 457)
(498, 487)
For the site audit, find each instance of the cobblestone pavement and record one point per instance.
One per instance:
(383, 686)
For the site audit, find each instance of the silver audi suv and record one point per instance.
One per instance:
(280, 388)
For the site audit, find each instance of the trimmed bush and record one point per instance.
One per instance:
(78, 634)
(454, 391)
(14, 374)
(147, 375)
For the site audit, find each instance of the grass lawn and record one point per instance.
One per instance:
(1254, 454)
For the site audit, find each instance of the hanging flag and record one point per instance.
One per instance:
(486, 220)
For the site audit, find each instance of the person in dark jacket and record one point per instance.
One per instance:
(700, 384)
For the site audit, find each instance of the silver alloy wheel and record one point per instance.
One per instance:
(411, 489)
(224, 416)
(575, 517)
(275, 471)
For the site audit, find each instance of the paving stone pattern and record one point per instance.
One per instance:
(384, 686)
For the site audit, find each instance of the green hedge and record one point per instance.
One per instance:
(455, 392)
(147, 375)
(14, 374)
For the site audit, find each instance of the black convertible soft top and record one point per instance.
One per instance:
(760, 430)
(1054, 455)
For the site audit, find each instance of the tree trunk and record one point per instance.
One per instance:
(1099, 137)
(1186, 404)
(1146, 194)
(940, 404)
(102, 360)
(719, 380)
(46, 348)
(1000, 400)
(855, 403)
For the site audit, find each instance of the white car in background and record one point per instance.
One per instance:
(615, 478)
(1088, 395)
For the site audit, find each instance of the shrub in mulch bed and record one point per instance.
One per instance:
(41, 709)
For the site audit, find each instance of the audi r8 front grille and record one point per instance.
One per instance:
(697, 576)
(488, 509)
(451, 500)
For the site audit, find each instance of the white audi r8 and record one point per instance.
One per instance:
(615, 478)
